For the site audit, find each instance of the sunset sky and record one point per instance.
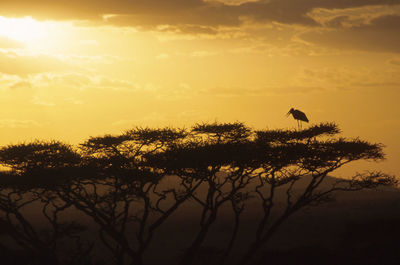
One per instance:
(79, 68)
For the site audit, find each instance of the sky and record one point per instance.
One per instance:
(79, 68)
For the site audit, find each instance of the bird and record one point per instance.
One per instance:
(298, 115)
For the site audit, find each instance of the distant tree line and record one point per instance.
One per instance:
(117, 183)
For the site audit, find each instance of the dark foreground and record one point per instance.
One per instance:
(357, 229)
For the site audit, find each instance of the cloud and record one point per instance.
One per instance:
(235, 92)
(11, 82)
(203, 53)
(51, 90)
(16, 64)
(10, 123)
(20, 85)
(79, 82)
(390, 22)
(161, 119)
(381, 34)
(150, 13)
(6, 43)
(196, 29)
(394, 61)
(162, 56)
(43, 102)
(74, 101)
(104, 82)
(228, 92)
(232, 2)
(352, 17)
(331, 78)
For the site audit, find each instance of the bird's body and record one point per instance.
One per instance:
(298, 115)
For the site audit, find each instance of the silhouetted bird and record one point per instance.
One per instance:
(298, 115)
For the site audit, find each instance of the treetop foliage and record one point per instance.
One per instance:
(284, 136)
(39, 154)
(223, 132)
(156, 136)
(205, 145)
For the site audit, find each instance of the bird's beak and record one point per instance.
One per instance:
(287, 114)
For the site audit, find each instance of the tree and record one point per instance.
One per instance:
(118, 181)
(36, 170)
(257, 164)
(121, 191)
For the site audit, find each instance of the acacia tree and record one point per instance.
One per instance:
(287, 157)
(35, 171)
(257, 165)
(116, 181)
(121, 191)
(210, 156)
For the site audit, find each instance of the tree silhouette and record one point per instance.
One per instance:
(123, 189)
(36, 170)
(257, 164)
(119, 183)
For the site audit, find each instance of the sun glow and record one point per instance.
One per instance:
(22, 29)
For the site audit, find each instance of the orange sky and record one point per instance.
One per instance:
(79, 68)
